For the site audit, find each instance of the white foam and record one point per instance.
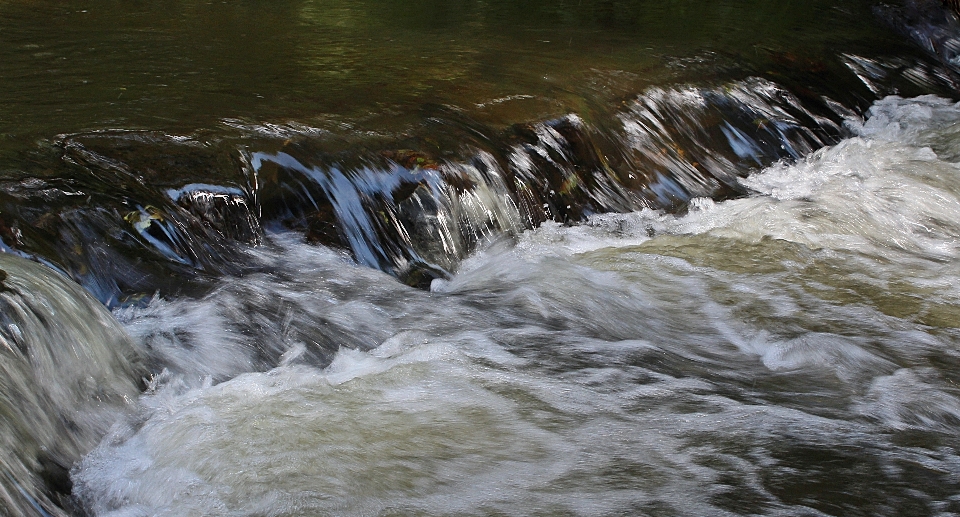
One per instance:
(639, 360)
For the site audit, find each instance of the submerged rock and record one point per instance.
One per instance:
(136, 213)
(934, 26)
(67, 370)
(953, 5)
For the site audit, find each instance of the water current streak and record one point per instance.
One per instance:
(732, 293)
(413, 212)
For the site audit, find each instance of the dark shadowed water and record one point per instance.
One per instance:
(187, 65)
(479, 258)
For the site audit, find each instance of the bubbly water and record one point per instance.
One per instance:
(457, 257)
(67, 370)
(791, 352)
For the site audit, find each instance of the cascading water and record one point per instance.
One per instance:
(67, 370)
(772, 354)
(409, 212)
(611, 258)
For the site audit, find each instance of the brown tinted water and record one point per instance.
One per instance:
(479, 258)
(110, 105)
(187, 65)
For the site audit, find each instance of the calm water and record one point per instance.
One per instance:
(479, 258)
(186, 66)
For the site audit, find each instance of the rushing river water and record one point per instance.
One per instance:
(357, 257)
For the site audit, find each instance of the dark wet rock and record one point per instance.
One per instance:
(9, 234)
(131, 213)
(142, 167)
(953, 5)
(321, 227)
(150, 158)
(422, 220)
(411, 159)
(557, 165)
(698, 142)
(414, 215)
(294, 199)
(122, 217)
(113, 249)
(229, 211)
(934, 25)
(386, 214)
(422, 275)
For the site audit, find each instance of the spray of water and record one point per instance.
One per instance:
(728, 360)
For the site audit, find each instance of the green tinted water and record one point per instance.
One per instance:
(186, 65)
(784, 344)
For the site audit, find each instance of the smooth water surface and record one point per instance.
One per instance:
(186, 65)
(479, 258)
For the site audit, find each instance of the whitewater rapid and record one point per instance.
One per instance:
(791, 352)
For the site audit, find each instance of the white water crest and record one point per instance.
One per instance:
(67, 370)
(792, 352)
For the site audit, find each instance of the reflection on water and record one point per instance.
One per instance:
(792, 352)
(479, 258)
(183, 65)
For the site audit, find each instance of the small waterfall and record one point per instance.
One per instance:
(676, 136)
(67, 369)
(470, 258)
(144, 209)
(414, 223)
(721, 361)
(415, 216)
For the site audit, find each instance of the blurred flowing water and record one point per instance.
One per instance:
(479, 258)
